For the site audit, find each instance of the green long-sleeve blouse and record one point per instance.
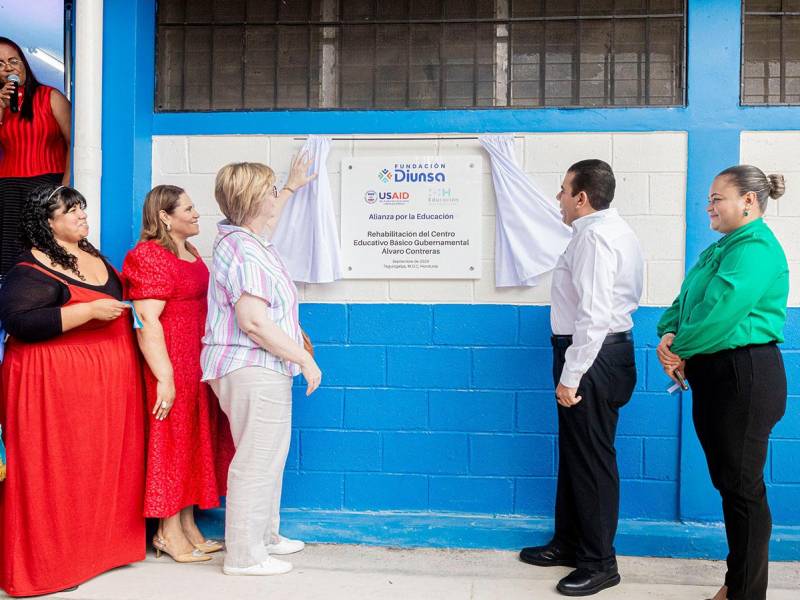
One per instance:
(735, 295)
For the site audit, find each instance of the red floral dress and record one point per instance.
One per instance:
(189, 452)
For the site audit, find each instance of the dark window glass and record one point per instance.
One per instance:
(771, 56)
(418, 54)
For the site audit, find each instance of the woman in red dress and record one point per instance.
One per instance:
(189, 446)
(34, 143)
(71, 408)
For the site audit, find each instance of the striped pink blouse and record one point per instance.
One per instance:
(244, 262)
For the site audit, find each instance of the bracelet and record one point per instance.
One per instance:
(286, 187)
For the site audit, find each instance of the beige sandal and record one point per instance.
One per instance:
(160, 544)
(209, 546)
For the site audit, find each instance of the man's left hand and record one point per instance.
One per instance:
(566, 396)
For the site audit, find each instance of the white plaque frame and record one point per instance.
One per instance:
(416, 217)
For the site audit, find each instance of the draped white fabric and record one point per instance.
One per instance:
(529, 232)
(306, 235)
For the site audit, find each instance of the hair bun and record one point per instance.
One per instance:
(777, 186)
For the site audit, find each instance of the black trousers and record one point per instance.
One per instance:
(587, 496)
(739, 395)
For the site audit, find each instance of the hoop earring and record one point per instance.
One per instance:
(167, 226)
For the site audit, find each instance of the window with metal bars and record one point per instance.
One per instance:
(771, 52)
(418, 54)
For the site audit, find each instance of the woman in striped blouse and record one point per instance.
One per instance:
(251, 350)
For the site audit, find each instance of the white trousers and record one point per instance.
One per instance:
(258, 403)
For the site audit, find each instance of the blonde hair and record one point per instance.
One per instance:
(240, 188)
(161, 197)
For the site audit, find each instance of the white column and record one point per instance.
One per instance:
(87, 105)
(502, 68)
(329, 89)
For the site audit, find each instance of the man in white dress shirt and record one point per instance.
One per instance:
(597, 284)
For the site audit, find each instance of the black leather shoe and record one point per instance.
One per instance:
(585, 582)
(547, 556)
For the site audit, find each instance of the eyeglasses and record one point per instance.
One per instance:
(714, 201)
(11, 62)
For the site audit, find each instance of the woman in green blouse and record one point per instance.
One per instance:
(722, 332)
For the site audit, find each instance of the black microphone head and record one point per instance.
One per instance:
(14, 102)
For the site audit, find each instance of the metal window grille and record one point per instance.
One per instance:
(771, 52)
(418, 54)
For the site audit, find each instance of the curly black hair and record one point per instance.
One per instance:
(39, 207)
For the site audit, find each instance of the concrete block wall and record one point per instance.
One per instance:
(456, 414)
(437, 395)
(453, 411)
(651, 184)
(449, 408)
(777, 152)
(783, 462)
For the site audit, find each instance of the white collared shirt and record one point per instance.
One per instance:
(597, 284)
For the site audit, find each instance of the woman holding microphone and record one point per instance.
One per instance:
(35, 122)
(721, 332)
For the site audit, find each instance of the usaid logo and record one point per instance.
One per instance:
(371, 197)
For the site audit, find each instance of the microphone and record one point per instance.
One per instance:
(14, 103)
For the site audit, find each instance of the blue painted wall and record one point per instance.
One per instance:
(425, 438)
(457, 414)
(128, 84)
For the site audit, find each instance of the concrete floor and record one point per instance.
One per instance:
(329, 572)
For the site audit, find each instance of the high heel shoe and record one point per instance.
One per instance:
(160, 544)
(209, 546)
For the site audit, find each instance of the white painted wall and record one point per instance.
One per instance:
(651, 192)
(777, 152)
